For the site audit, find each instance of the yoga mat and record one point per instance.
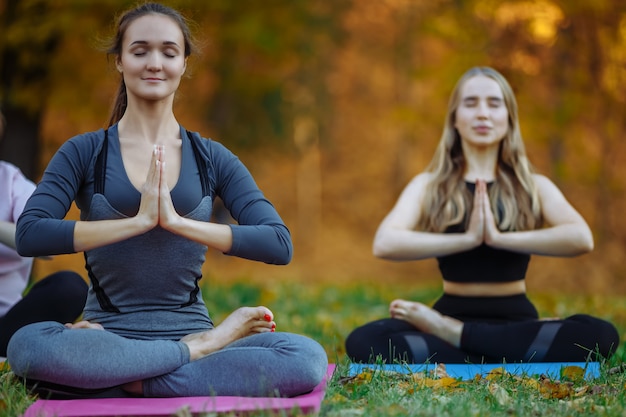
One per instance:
(469, 371)
(307, 403)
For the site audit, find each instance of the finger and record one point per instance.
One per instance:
(484, 192)
(154, 174)
(160, 152)
(164, 189)
(478, 193)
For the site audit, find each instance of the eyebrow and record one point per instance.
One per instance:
(168, 43)
(491, 98)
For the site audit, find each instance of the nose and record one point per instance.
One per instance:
(483, 110)
(154, 62)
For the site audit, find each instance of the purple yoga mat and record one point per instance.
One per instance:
(307, 403)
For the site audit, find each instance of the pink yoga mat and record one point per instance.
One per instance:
(307, 403)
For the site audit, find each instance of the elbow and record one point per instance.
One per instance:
(381, 248)
(24, 249)
(286, 253)
(378, 250)
(285, 257)
(21, 246)
(583, 244)
(283, 252)
(587, 243)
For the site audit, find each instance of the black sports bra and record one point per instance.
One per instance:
(482, 264)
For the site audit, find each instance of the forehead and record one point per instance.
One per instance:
(153, 28)
(481, 86)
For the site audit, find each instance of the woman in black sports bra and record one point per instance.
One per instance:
(481, 211)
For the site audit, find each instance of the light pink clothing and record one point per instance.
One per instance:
(15, 270)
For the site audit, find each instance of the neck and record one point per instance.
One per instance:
(481, 163)
(152, 127)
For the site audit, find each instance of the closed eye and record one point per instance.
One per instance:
(495, 102)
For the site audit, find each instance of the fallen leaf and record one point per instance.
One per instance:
(572, 373)
(500, 394)
(555, 389)
(440, 371)
(495, 373)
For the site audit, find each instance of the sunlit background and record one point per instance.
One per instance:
(334, 105)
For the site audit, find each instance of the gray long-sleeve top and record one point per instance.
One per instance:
(156, 271)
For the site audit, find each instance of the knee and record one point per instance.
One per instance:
(70, 284)
(360, 342)
(27, 344)
(318, 363)
(311, 366)
(608, 339)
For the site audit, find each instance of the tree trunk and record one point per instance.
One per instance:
(25, 58)
(20, 144)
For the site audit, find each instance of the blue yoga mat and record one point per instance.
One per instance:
(469, 371)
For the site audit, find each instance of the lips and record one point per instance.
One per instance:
(481, 129)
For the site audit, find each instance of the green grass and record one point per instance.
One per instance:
(328, 313)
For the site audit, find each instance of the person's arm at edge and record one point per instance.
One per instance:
(19, 189)
(7, 234)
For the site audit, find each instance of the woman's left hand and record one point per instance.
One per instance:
(490, 231)
(167, 213)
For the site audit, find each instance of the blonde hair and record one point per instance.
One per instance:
(513, 196)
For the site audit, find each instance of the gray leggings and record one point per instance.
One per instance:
(264, 364)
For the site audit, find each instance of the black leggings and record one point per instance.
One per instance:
(495, 330)
(59, 297)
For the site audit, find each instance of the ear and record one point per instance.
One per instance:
(184, 67)
(118, 65)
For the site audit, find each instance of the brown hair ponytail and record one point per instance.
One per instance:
(115, 46)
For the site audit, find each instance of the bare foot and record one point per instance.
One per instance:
(84, 324)
(428, 320)
(240, 323)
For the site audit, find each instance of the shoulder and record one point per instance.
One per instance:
(419, 183)
(86, 140)
(84, 146)
(11, 177)
(208, 146)
(549, 194)
(544, 184)
(414, 191)
(8, 170)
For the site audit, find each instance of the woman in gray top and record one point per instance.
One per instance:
(145, 188)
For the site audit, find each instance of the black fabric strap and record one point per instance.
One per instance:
(101, 166)
(98, 188)
(202, 167)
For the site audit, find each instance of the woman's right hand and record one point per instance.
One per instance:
(476, 226)
(149, 205)
(482, 226)
(93, 234)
